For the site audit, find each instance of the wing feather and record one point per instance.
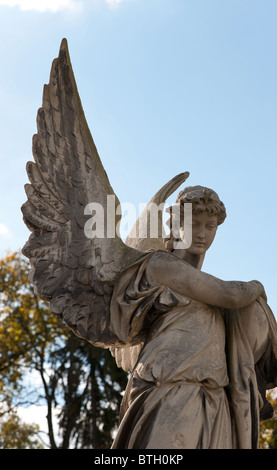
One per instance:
(41, 188)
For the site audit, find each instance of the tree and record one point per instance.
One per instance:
(78, 379)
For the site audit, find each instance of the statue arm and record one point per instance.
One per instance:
(184, 279)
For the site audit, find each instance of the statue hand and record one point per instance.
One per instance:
(261, 288)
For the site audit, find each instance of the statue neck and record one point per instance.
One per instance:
(194, 260)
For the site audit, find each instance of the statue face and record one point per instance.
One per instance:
(204, 227)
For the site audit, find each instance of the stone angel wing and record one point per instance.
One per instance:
(140, 237)
(74, 273)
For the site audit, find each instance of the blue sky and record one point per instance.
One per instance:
(167, 86)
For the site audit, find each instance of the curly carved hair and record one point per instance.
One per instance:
(202, 200)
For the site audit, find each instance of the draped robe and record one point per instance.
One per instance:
(198, 373)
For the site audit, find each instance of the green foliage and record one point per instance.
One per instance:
(79, 380)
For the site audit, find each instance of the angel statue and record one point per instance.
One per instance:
(201, 352)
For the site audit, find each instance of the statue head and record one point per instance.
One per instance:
(206, 208)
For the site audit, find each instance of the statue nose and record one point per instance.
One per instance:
(201, 233)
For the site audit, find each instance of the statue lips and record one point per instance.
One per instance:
(200, 244)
